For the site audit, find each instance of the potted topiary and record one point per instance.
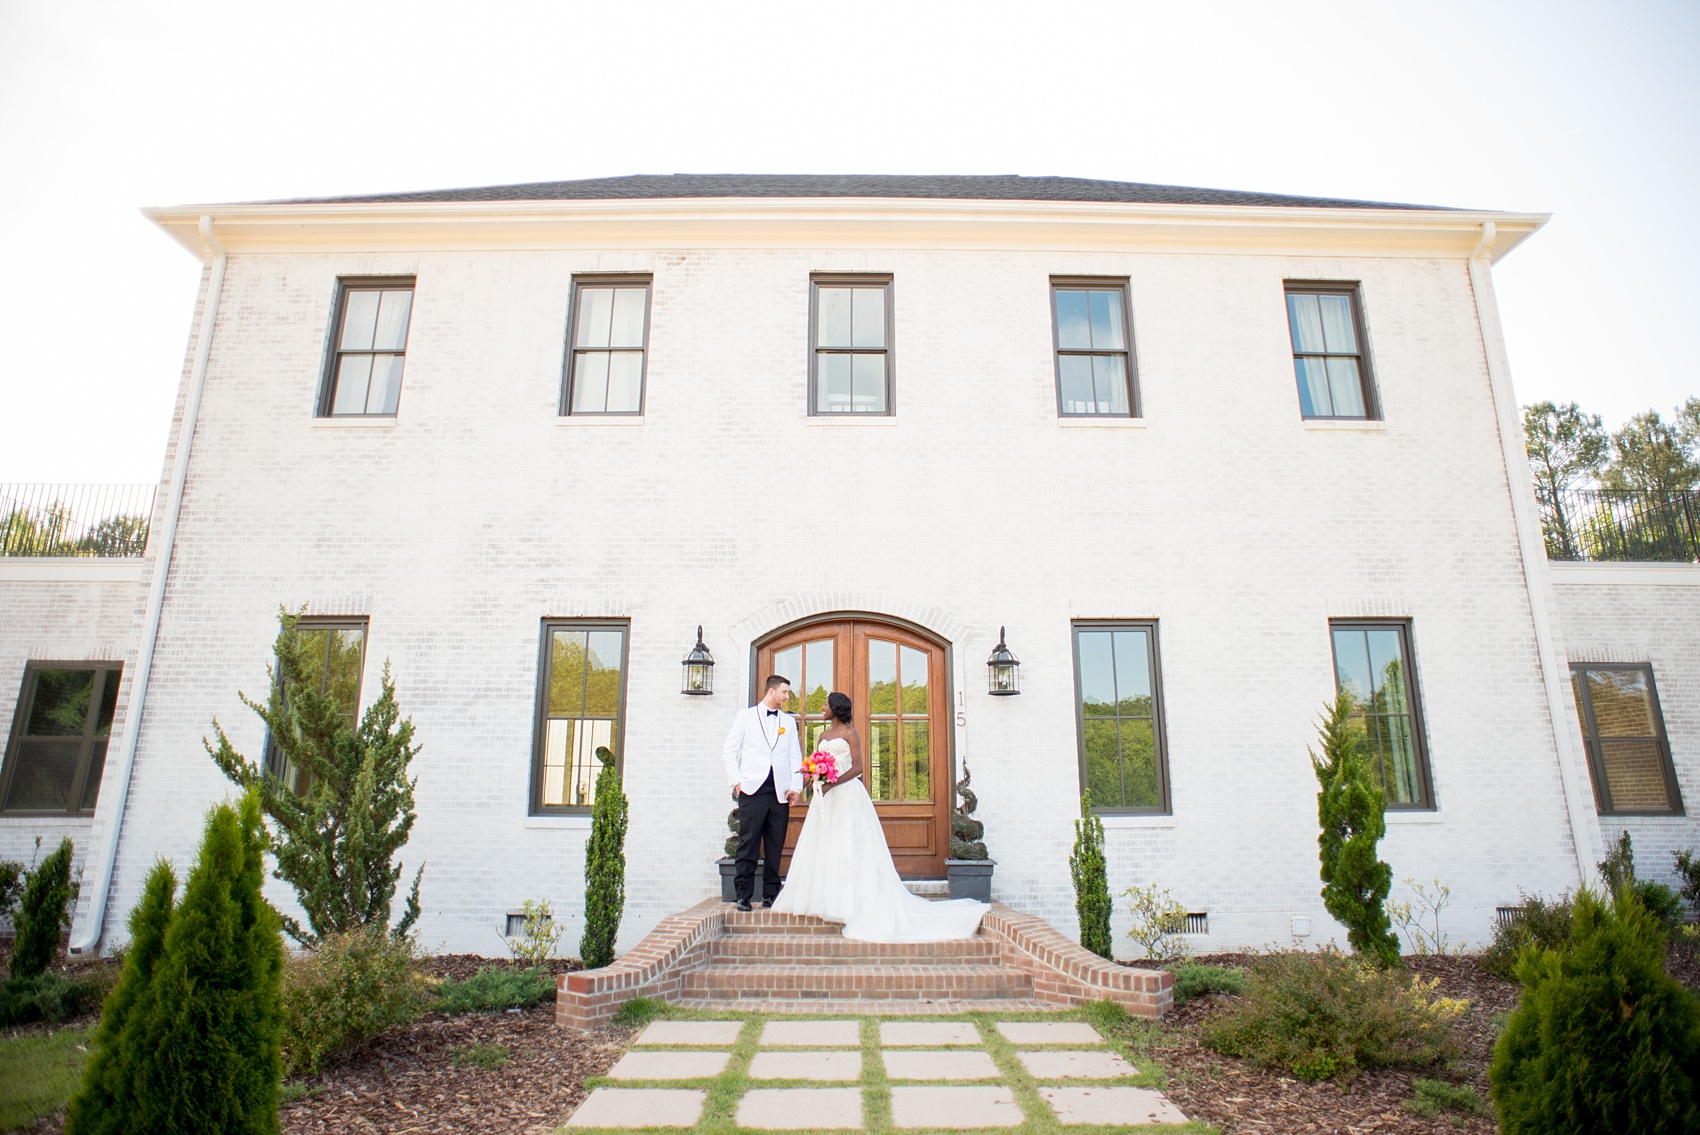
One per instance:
(729, 866)
(968, 868)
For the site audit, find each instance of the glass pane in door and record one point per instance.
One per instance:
(809, 665)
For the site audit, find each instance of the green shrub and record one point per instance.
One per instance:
(538, 933)
(338, 997)
(604, 867)
(1661, 902)
(1603, 1039)
(1433, 1098)
(1351, 810)
(100, 1106)
(1157, 921)
(338, 836)
(1541, 922)
(41, 916)
(1091, 881)
(490, 1057)
(1328, 1015)
(11, 885)
(46, 997)
(202, 1049)
(1688, 870)
(1195, 980)
(492, 990)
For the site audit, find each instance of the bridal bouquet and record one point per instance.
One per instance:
(820, 765)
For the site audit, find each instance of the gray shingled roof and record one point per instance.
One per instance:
(1009, 187)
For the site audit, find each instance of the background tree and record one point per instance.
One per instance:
(337, 836)
(1091, 881)
(41, 917)
(604, 867)
(1352, 814)
(1567, 449)
(1650, 455)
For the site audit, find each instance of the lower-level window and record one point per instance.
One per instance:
(1628, 754)
(580, 712)
(335, 655)
(1119, 710)
(1372, 663)
(59, 737)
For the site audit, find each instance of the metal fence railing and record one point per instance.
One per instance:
(1602, 524)
(74, 520)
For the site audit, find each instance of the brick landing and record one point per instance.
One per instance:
(714, 957)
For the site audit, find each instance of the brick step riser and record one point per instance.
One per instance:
(748, 929)
(836, 983)
(747, 949)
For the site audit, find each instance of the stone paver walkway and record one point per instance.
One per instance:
(871, 1075)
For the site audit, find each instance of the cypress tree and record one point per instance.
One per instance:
(41, 913)
(1091, 881)
(102, 1105)
(1604, 1039)
(1352, 811)
(604, 867)
(207, 1057)
(337, 840)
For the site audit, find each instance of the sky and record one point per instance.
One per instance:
(1588, 111)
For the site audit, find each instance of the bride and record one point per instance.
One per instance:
(841, 869)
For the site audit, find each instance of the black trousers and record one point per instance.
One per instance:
(762, 819)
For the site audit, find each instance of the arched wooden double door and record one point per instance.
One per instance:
(897, 680)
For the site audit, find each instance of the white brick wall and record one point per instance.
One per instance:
(1648, 614)
(477, 513)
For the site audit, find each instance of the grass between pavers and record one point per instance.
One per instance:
(1134, 1038)
(38, 1073)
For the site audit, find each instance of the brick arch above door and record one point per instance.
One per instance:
(937, 622)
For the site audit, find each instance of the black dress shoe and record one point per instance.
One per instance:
(743, 904)
(766, 903)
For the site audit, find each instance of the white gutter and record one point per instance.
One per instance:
(1572, 767)
(116, 781)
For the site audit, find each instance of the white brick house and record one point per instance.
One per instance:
(1233, 534)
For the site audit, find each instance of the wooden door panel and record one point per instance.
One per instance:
(907, 718)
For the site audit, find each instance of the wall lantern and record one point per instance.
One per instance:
(1001, 678)
(699, 669)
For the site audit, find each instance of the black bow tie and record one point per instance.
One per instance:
(773, 713)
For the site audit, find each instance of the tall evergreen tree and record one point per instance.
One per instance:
(336, 841)
(604, 867)
(103, 1104)
(40, 920)
(207, 1056)
(1351, 810)
(1090, 872)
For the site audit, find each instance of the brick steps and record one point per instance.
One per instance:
(832, 950)
(937, 982)
(713, 956)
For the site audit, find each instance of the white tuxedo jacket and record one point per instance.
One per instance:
(758, 744)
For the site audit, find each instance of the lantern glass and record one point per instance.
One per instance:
(699, 669)
(1001, 670)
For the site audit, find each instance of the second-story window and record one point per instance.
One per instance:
(850, 345)
(1328, 353)
(1094, 364)
(371, 348)
(609, 340)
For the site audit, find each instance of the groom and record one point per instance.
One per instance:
(764, 766)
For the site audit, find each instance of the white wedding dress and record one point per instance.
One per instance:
(841, 870)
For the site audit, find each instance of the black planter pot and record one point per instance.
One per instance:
(970, 878)
(728, 881)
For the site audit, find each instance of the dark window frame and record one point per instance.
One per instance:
(540, 711)
(1102, 284)
(272, 758)
(104, 670)
(885, 280)
(1159, 731)
(1413, 695)
(345, 286)
(1591, 738)
(569, 364)
(1353, 291)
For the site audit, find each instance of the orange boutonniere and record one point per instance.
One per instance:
(781, 732)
